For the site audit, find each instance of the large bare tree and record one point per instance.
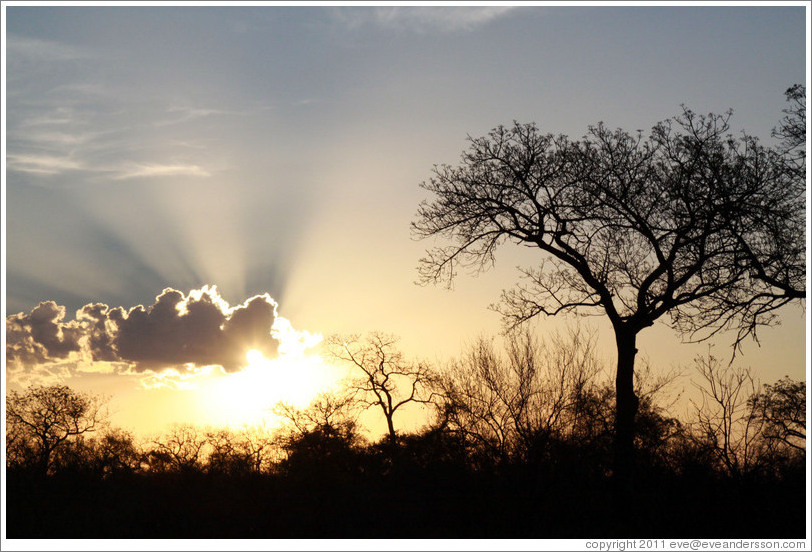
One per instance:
(637, 229)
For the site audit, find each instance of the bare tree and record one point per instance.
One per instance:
(181, 448)
(770, 225)
(387, 381)
(331, 412)
(48, 417)
(258, 447)
(631, 228)
(505, 400)
(782, 408)
(792, 130)
(117, 451)
(225, 456)
(725, 420)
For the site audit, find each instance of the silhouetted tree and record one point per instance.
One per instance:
(504, 401)
(114, 452)
(117, 451)
(258, 446)
(250, 449)
(321, 439)
(792, 131)
(725, 421)
(20, 449)
(770, 224)
(387, 380)
(225, 456)
(336, 412)
(45, 418)
(635, 228)
(182, 448)
(782, 409)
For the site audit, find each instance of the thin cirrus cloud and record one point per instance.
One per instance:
(44, 164)
(178, 332)
(148, 170)
(422, 19)
(51, 165)
(27, 50)
(88, 128)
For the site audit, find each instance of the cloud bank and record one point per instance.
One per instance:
(178, 331)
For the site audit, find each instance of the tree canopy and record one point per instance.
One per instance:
(688, 225)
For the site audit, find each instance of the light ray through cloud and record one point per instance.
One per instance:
(280, 150)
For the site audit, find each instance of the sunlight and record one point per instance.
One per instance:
(246, 397)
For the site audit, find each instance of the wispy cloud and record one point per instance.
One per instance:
(66, 118)
(97, 138)
(150, 170)
(23, 49)
(423, 19)
(41, 164)
(183, 114)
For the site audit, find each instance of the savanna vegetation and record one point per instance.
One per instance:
(519, 444)
(528, 435)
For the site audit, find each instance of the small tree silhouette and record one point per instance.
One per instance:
(725, 421)
(782, 408)
(387, 381)
(47, 417)
(182, 448)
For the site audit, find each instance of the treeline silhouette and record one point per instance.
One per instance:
(519, 445)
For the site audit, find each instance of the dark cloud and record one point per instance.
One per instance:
(21, 349)
(41, 335)
(176, 331)
(99, 336)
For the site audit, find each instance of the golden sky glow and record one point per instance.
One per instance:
(187, 214)
(245, 397)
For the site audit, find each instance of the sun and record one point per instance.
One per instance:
(246, 397)
(254, 357)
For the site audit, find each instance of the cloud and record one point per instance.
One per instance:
(143, 170)
(41, 336)
(422, 19)
(180, 332)
(67, 122)
(188, 113)
(41, 164)
(35, 51)
(98, 332)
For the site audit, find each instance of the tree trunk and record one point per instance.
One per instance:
(44, 461)
(626, 406)
(391, 426)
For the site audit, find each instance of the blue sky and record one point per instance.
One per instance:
(279, 150)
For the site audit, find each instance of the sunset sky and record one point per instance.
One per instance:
(247, 175)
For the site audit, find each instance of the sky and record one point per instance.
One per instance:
(211, 180)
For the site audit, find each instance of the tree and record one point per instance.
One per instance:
(631, 228)
(322, 440)
(117, 451)
(725, 420)
(792, 130)
(182, 448)
(782, 409)
(49, 416)
(505, 401)
(332, 413)
(387, 380)
(770, 225)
